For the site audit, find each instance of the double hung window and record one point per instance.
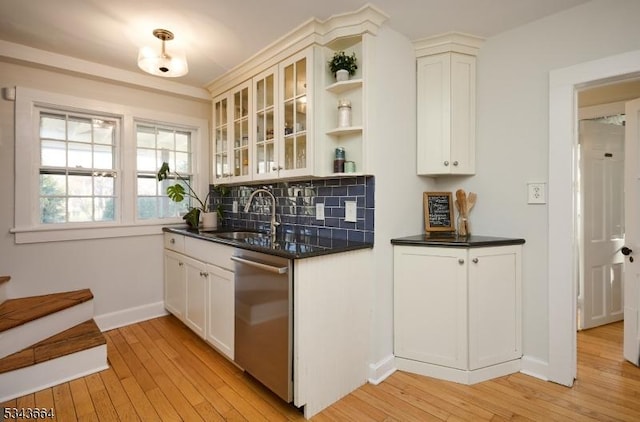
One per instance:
(87, 169)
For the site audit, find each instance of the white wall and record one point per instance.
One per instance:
(513, 133)
(391, 155)
(123, 273)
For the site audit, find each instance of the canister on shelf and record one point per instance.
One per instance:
(338, 162)
(344, 113)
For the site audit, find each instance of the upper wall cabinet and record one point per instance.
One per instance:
(446, 104)
(292, 101)
(231, 133)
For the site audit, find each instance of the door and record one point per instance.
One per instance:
(220, 311)
(196, 281)
(632, 241)
(602, 191)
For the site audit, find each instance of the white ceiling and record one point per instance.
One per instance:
(219, 34)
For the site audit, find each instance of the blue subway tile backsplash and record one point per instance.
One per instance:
(296, 207)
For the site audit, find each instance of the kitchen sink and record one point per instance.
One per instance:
(241, 235)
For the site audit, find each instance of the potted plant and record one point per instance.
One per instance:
(177, 193)
(342, 65)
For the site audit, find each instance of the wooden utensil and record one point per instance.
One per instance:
(461, 198)
(471, 201)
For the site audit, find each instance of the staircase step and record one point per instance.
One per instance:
(27, 321)
(15, 312)
(76, 352)
(82, 336)
(4, 278)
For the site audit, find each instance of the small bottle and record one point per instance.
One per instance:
(344, 113)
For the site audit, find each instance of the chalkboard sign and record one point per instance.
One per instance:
(438, 212)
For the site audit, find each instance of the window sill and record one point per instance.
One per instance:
(61, 234)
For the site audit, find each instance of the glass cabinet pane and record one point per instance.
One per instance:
(265, 128)
(288, 118)
(301, 114)
(288, 82)
(301, 77)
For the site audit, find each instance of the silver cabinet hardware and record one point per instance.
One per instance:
(446, 163)
(460, 261)
(475, 260)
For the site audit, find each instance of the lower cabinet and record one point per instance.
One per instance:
(199, 290)
(221, 309)
(457, 311)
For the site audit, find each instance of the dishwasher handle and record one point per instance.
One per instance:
(266, 267)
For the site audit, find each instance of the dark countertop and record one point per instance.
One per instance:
(288, 245)
(454, 241)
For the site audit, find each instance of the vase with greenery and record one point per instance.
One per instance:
(342, 61)
(178, 193)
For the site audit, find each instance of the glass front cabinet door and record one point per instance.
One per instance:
(265, 165)
(231, 123)
(295, 119)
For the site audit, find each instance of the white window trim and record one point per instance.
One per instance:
(27, 164)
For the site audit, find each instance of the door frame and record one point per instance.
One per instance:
(562, 237)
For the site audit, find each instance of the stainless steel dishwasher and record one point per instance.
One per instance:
(263, 319)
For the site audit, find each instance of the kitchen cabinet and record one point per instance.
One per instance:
(446, 105)
(198, 288)
(457, 311)
(231, 135)
(220, 299)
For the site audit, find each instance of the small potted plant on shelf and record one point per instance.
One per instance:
(177, 193)
(343, 65)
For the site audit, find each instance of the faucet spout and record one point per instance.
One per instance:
(273, 222)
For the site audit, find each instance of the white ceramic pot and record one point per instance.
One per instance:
(209, 220)
(342, 75)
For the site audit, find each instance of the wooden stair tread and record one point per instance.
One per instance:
(15, 312)
(4, 278)
(76, 339)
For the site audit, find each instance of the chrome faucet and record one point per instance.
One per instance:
(274, 223)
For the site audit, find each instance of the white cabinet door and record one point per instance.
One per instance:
(221, 310)
(446, 114)
(430, 303)
(494, 305)
(265, 159)
(175, 300)
(232, 135)
(296, 101)
(196, 282)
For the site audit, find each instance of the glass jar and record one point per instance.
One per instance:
(344, 113)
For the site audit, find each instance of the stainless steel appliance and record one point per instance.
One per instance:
(263, 319)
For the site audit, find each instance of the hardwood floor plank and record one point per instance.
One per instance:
(63, 402)
(136, 367)
(44, 400)
(81, 398)
(160, 405)
(141, 401)
(100, 398)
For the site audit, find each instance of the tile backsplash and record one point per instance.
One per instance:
(296, 207)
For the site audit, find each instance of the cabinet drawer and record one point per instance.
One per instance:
(174, 242)
(210, 252)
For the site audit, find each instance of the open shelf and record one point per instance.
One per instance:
(343, 86)
(340, 131)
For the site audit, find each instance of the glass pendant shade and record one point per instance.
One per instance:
(161, 63)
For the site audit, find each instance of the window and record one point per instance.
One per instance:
(156, 145)
(77, 168)
(86, 169)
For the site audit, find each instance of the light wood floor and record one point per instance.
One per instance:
(162, 371)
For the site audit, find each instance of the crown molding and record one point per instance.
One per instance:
(450, 42)
(72, 65)
(367, 19)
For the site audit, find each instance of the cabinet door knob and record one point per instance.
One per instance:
(460, 261)
(475, 260)
(446, 163)
(172, 241)
(455, 163)
(276, 168)
(180, 264)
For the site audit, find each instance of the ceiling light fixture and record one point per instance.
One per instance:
(162, 63)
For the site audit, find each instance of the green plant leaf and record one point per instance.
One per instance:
(163, 173)
(192, 217)
(175, 192)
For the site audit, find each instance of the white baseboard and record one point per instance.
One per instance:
(535, 368)
(379, 371)
(34, 378)
(130, 316)
(460, 376)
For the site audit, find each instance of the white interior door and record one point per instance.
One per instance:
(602, 186)
(632, 236)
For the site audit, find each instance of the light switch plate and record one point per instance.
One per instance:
(350, 211)
(537, 193)
(320, 211)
